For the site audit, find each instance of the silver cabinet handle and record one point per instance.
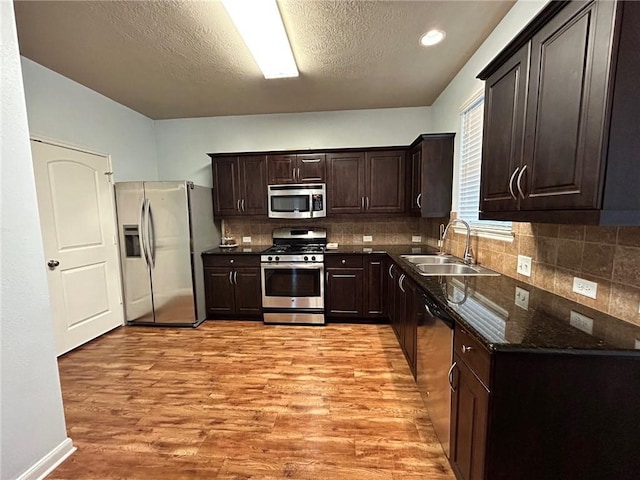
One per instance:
(243, 205)
(235, 278)
(326, 275)
(343, 261)
(518, 181)
(345, 275)
(466, 349)
(367, 203)
(511, 183)
(390, 269)
(230, 277)
(418, 198)
(450, 375)
(426, 308)
(298, 174)
(401, 283)
(238, 205)
(362, 201)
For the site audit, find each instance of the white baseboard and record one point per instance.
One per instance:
(49, 462)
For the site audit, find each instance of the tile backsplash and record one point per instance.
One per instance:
(347, 231)
(609, 256)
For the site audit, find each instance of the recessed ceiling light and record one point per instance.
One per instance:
(260, 26)
(432, 37)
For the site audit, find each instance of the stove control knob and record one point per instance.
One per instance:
(277, 259)
(306, 259)
(270, 258)
(313, 259)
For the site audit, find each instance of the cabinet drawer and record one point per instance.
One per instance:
(473, 354)
(343, 261)
(231, 260)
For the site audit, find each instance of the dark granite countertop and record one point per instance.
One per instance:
(240, 249)
(486, 306)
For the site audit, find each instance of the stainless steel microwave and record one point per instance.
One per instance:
(298, 201)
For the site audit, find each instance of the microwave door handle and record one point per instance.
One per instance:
(310, 205)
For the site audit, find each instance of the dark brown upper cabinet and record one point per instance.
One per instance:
(366, 182)
(239, 185)
(283, 169)
(430, 175)
(561, 129)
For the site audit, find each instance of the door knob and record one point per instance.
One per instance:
(53, 264)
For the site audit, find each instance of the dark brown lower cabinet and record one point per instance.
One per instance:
(374, 282)
(345, 282)
(543, 414)
(355, 286)
(232, 286)
(402, 307)
(469, 413)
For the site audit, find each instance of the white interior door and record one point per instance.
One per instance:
(76, 206)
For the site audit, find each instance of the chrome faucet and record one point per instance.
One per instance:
(468, 255)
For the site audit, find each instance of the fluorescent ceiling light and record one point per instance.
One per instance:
(262, 30)
(432, 37)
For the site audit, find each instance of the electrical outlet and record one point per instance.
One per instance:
(524, 265)
(585, 287)
(637, 343)
(246, 239)
(367, 250)
(367, 238)
(581, 322)
(416, 238)
(522, 298)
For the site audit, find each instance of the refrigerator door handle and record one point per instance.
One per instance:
(152, 235)
(141, 233)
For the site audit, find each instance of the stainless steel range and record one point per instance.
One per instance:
(293, 276)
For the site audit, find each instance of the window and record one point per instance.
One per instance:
(469, 172)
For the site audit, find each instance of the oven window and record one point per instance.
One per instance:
(290, 203)
(292, 282)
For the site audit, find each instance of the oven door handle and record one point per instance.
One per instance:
(303, 266)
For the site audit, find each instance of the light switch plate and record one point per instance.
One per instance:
(585, 287)
(637, 343)
(416, 238)
(246, 239)
(581, 322)
(522, 298)
(367, 238)
(524, 265)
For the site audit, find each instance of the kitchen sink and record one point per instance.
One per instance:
(437, 265)
(430, 259)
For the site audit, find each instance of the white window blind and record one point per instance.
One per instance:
(469, 175)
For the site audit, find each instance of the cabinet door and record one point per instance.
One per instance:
(374, 288)
(391, 280)
(253, 175)
(248, 291)
(437, 176)
(384, 182)
(566, 109)
(344, 297)
(219, 297)
(415, 180)
(410, 324)
(504, 106)
(345, 182)
(225, 186)
(311, 168)
(469, 415)
(281, 169)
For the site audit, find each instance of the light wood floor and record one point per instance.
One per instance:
(241, 400)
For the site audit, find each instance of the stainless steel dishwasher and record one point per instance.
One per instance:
(435, 349)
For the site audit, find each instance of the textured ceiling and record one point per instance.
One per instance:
(178, 59)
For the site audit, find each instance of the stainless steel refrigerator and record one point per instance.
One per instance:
(164, 227)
